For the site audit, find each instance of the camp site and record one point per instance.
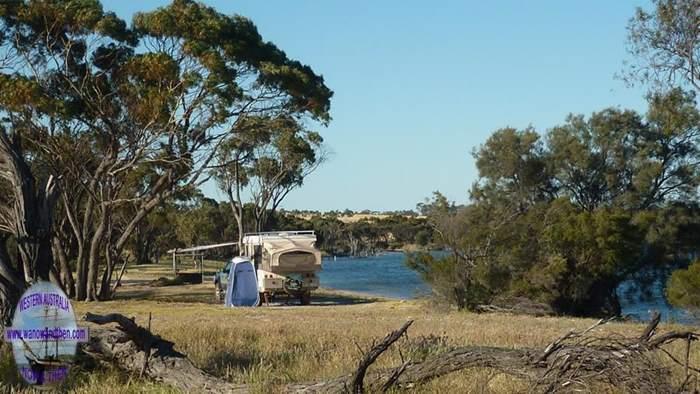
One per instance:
(210, 196)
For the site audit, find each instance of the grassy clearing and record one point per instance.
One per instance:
(271, 346)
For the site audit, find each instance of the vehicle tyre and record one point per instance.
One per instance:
(305, 298)
(218, 293)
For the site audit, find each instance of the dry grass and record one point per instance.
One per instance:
(270, 346)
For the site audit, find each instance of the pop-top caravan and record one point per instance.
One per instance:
(287, 263)
(242, 289)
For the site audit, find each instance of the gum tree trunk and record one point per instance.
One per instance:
(26, 213)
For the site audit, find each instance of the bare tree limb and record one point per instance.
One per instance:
(373, 354)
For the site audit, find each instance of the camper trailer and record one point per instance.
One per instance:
(286, 262)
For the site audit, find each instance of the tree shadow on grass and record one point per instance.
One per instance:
(180, 294)
(221, 361)
(341, 299)
(205, 294)
(323, 298)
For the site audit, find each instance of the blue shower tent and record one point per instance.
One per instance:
(242, 288)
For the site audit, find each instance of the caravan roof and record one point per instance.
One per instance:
(280, 236)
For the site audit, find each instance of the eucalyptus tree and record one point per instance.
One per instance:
(131, 115)
(292, 153)
(265, 159)
(618, 158)
(665, 44)
(513, 166)
(592, 159)
(669, 156)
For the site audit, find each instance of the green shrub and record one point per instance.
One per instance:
(683, 287)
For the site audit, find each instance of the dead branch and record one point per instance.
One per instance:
(670, 337)
(373, 354)
(511, 361)
(650, 329)
(575, 361)
(578, 360)
(394, 377)
(121, 274)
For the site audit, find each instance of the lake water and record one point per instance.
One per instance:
(386, 275)
(382, 275)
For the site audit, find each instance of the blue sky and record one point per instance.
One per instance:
(418, 85)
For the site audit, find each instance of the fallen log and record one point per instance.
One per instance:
(135, 349)
(575, 361)
(509, 361)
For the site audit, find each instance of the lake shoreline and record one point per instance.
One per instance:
(358, 294)
(387, 276)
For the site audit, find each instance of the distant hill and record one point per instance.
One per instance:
(355, 217)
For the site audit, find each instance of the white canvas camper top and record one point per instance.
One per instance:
(286, 262)
(283, 251)
(271, 236)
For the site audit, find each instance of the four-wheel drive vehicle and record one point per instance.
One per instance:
(286, 263)
(221, 281)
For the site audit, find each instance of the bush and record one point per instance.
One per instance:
(555, 254)
(683, 287)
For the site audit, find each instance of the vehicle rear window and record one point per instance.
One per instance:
(297, 258)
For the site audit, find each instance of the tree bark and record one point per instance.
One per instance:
(11, 284)
(28, 217)
(94, 258)
(237, 211)
(105, 285)
(234, 199)
(82, 259)
(66, 274)
(7, 271)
